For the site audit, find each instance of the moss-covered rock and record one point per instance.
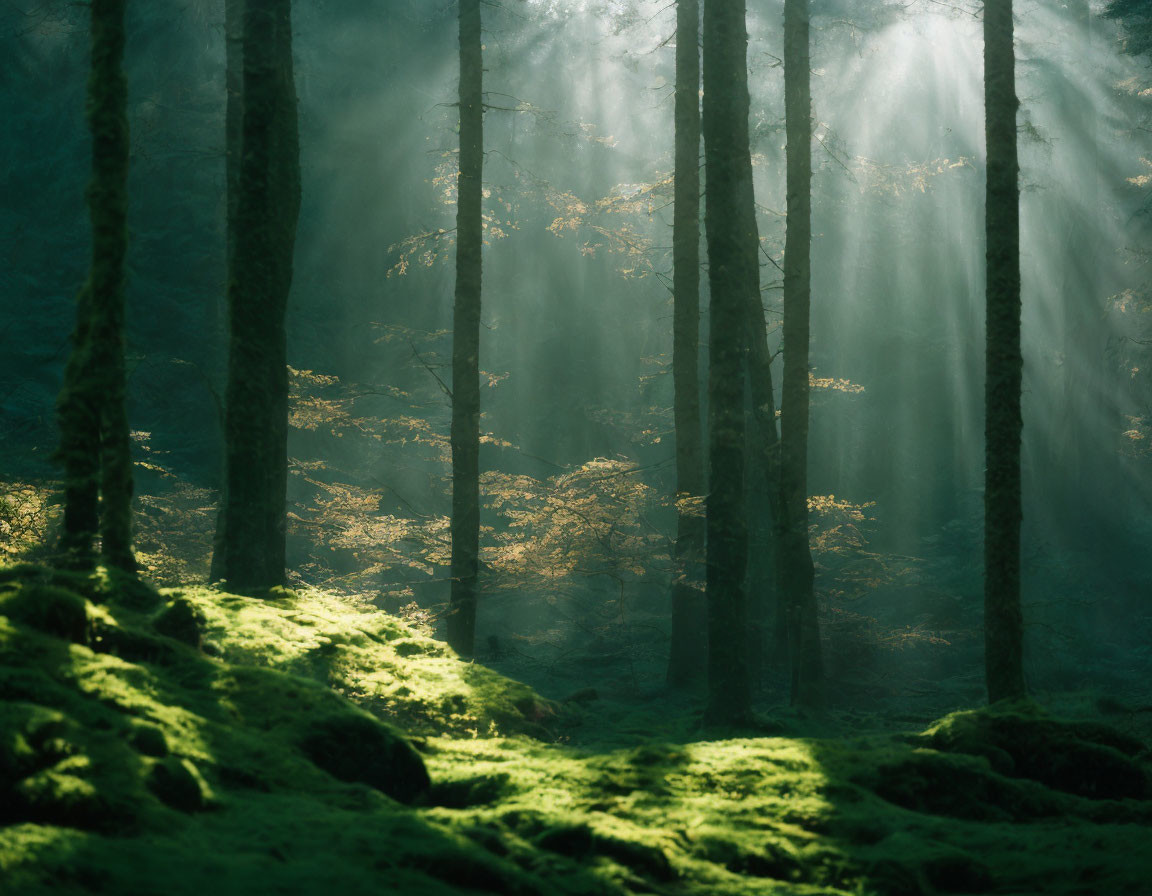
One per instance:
(352, 746)
(461, 793)
(1086, 759)
(179, 785)
(149, 740)
(48, 609)
(957, 787)
(182, 621)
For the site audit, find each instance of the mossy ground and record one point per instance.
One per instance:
(195, 740)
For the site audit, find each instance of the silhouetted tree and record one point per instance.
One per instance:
(764, 450)
(233, 153)
(733, 247)
(797, 573)
(1003, 620)
(267, 205)
(465, 435)
(95, 443)
(689, 613)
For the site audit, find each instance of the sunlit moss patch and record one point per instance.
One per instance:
(197, 740)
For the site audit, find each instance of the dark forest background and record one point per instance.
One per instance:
(577, 446)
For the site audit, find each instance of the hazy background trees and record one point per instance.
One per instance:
(576, 437)
(465, 434)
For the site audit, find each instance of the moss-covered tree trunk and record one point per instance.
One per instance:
(95, 443)
(797, 573)
(1003, 512)
(765, 442)
(259, 280)
(733, 244)
(689, 647)
(466, 340)
(233, 116)
(233, 153)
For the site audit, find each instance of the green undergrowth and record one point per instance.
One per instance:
(195, 740)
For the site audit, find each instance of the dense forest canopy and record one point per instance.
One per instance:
(623, 354)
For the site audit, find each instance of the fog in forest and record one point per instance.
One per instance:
(577, 448)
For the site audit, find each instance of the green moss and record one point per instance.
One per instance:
(1082, 758)
(135, 763)
(353, 746)
(395, 672)
(149, 740)
(178, 784)
(182, 621)
(48, 609)
(476, 790)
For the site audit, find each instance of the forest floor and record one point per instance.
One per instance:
(191, 740)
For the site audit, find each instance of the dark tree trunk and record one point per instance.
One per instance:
(689, 648)
(733, 244)
(260, 277)
(1003, 620)
(466, 340)
(95, 444)
(78, 411)
(766, 442)
(797, 574)
(233, 116)
(233, 153)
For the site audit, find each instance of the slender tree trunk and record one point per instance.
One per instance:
(797, 571)
(233, 153)
(733, 244)
(767, 444)
(95, 442)
(689, 649)
(233, 116)
(1003, 620)
(260, 277)
(78, 411)
(466, 340)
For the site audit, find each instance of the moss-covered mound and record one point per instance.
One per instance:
(1082, 758)
(179, 742)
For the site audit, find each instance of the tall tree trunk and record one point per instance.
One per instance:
(689, 648)
(95, 444)
(767, 442)
(466, 340)
(733, 244)
(233, 153)
(78, 411)
(260, 277)
(797, 571)
(1003, 619)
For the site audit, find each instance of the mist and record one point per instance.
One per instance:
(577, 310)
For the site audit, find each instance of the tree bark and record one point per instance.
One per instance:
(465, 436)
(95, 444)
(689, 647)
(260, 278)
(733, 244)
(1003, 619)
(767, 447)
(797, 570)
(233, 153)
